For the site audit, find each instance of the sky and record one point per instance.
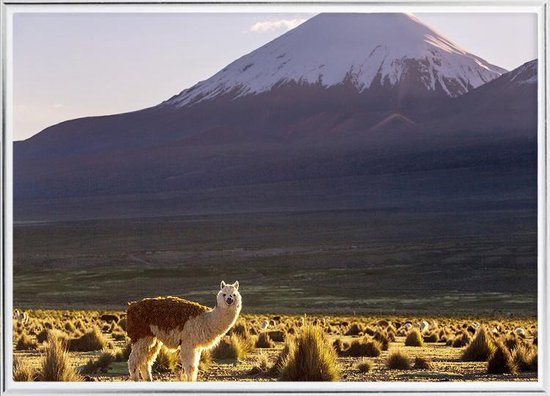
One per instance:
(74, 65)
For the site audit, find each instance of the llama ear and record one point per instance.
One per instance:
(222, 285)
(236, 285)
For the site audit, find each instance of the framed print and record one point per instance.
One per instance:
(261, 197)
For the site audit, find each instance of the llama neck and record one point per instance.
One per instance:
(221, 320)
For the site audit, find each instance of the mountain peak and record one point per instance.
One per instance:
(362, 49)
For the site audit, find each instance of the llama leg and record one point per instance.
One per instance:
(138, 356)
(151, 357)
(195, 365)
(187, 358)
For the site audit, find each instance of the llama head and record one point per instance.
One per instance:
(229, 296)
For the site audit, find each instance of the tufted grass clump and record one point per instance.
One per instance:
(25, 343)
(22, 370)
(93, 340)
(364, 366)
(461, 340)
(422, 363)
(414, 338)
(232, 348)
(354, 329)
(480, 349)
(501, 361)
(99, 365)
(525, 358)
(56, 364)
(364, 347)
(311, 359)
(166, 361)
(264, 341)
(398, 360)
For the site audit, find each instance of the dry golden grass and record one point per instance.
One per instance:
(251, 366)
(312, 358)
(414, 338)
(56, 364)
(22, 370)
(25, 343)
(92, 340)
(264, 341)
(525, 357)
(364, 366)
(398, 360)
(481, 348)
(501, 361)
(233, 347)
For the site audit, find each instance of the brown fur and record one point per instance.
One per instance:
(166, 313)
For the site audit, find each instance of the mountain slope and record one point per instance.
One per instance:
(505, 105)
(365, 50)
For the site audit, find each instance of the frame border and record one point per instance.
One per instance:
(7, 10)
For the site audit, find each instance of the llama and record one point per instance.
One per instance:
(178, 323)
(21, 317)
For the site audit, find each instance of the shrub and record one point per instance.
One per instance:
(122, 323)
(480, 349)
(414, 338)
(277, 335)
(123, 354)
(433, 337)
(118, 335)
(100, 365)
(364, 366)
(461, 340)
(339, 346)
(166, 361)
(369, 331)
(354, 329)
(241, 329)
(22, 370)
(282, 357)
(92, 340)
(205, 361)
(261, 365)
(501, 361)
(364, 347)
(398, 361)
(25, 343)
(525, 358)
(383, 338)
(69, 327)
(511, 342)
(422, 363)
(311, 359)
(56, 365)
(79, 324)
(232, 347)
(42, 336)
(264, 341)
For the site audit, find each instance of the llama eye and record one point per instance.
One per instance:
(224, 294)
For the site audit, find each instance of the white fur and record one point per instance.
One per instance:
(424, 326)
(198, 333)
(21, 317)
(520, 331)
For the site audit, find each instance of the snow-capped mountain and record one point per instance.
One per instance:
(340, 98)
(363, 50)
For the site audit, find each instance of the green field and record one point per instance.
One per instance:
(325, 261)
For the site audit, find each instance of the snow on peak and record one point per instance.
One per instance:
(330, 49)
